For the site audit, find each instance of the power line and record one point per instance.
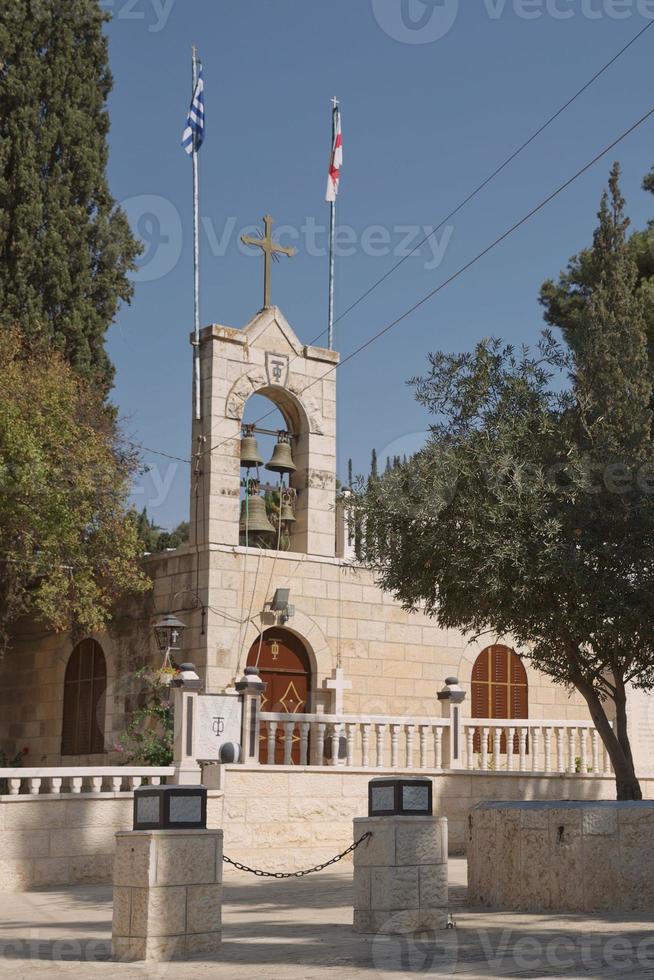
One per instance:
(158, 452)
(456, 275)
(492, 176)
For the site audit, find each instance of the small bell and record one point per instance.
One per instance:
(287, 514)
(250, 456)
(282, 458)
(254, 519)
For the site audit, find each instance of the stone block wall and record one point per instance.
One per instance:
(292, 818)
(585, 857)
(65, 839)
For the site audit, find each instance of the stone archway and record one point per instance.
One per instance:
(284, 666)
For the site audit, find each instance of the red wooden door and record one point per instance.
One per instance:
(284, 667)
(499, 690)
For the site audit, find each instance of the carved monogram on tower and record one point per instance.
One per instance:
(277, 366)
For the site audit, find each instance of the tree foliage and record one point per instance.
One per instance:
(530, 511)
(155, 539)
(65, 247)
(68, 547)
(565, 301)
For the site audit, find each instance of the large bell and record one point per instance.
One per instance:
(253, 515)
(250, 456)
(282, 458)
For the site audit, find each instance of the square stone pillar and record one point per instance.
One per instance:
(167, 894)
(400, 875)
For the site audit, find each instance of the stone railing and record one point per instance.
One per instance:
(81, 779)
(534, 746)
(371, 743)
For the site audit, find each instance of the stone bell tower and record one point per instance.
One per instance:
(264, 358)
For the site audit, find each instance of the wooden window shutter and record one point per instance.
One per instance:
(85, 685)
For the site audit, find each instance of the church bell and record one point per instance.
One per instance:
(255, 516)
(250, 456)
(282, 458)
(287, 515)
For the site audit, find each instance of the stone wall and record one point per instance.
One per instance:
(562, 857)
(291, 818)
(65, 839)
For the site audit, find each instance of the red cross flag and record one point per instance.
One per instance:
(336, 161)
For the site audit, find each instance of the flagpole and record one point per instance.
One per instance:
(332, 236)
(196, 262)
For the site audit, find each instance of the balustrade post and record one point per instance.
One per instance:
(34, 786)
(55, 784)
(14, 786)
(547, 737)
(583, 749)
(470, 746)
(379, 760)
(451, 699)
(321, 728)
(535, 749)
(365, 745)
(289, 729)
(497, 748)
(572, 744)
(423, 735)
(350, 735)
(523, 749)
(116, 784)
(271, 736)
(438, 747)
(410, 733)
(76, 783)
(485, 735)
(395, 741)
(510, 733)
(560, 750)
(335, 736)
(305, 727)
(595, 740)
(96, 784)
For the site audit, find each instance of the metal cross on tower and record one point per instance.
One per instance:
(271, 250)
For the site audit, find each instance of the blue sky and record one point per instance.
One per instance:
(434, 96)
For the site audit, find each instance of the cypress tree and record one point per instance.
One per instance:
(65, 247)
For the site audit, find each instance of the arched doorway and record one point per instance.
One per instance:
(499, 689)
(285, 668)
(85, 685)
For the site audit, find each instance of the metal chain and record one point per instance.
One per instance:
(296, 874)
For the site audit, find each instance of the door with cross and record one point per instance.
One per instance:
(284, 667)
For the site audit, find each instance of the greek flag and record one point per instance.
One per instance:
(194, 133)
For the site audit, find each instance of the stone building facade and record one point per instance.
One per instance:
(394, 661)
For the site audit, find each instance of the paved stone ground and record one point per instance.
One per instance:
(300, 930)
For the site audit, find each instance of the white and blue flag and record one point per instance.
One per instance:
(194, 133)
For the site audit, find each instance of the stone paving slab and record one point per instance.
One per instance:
(301, 930)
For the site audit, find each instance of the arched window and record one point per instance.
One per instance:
(85, 685)
(499, 688)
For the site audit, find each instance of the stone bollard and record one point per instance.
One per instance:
(401, 872)
(167, 888)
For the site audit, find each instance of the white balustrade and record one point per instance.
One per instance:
(512, 744)
(346, 740)
(79, 780)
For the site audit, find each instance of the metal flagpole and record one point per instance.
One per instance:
(332, 235)
(196, 260)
